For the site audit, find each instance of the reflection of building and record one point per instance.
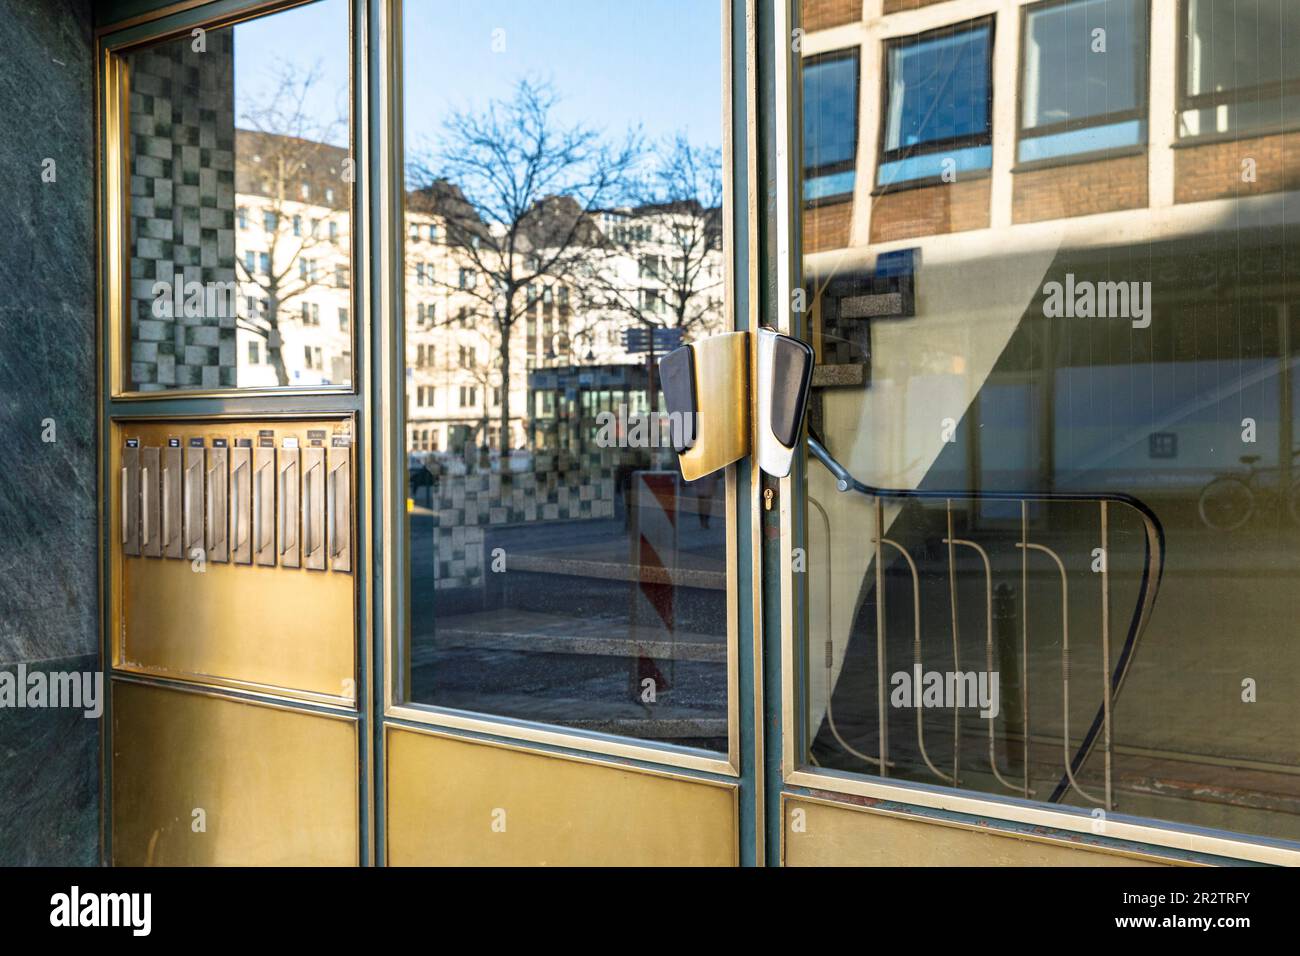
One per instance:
(1112, 141)
(1047, 249)
(293, 247)
(629, 276)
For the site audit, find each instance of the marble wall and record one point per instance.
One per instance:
(49, 805)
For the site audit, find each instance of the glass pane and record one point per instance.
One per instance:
(1239, 64)
(239, 207)
(1082, 59)
(830, 124)
(1239, 44)
(938, 88)
(1069, 571)
(564, 231)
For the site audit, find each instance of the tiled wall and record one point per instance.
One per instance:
(49, 757)
(182, 208)
(559, 487)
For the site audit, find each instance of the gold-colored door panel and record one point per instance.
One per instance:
(827, 833)
(200, 779)
(243, 624)
(456, 802)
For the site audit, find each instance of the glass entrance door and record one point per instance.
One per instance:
(562, 603)
(1041, 251)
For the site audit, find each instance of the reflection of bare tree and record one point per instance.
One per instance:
(283, 154)
(521, 209)
(673, 235)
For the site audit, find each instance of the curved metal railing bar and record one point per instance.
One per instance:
(1149, 586)
(988, 641)
(829, 654)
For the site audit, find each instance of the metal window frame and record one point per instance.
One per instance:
(1142, 79)
(113, 42)
(898, 153)
(849, 165)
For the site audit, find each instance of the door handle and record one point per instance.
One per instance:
(784, 368)
(706, 392)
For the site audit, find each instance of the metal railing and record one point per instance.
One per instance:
(1113, 677)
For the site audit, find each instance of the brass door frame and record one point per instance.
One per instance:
(800, 781)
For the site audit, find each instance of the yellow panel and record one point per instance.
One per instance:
(276, 786)
(722, 397)
(834, 834)
(245, 625)
(448, 799)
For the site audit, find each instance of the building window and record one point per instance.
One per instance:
(415, 232)
(345, 319)
(241, 216)
(310, 313)
(1083, 89)
(297, 225)
(466, 278)
(939, 104)
(341, 277)
(830, 124)
(254, 353)
(433, 233)
(312, 357)
(1240, 71)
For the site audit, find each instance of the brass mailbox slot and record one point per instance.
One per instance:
(217, 538)
(264, 505)
(241, 505)
(287, 505)
(313, 508)
(192, 492)
(150, 506)
(172, 499)
(340, 508)
(129, 484)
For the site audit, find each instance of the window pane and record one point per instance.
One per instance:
(560, 569)
(999, 357)
(1239, 44)
(1239, 57)
(1082, 59)
(938, 88)
(830, 124)
(238, 120)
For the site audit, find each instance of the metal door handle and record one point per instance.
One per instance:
(124, 534)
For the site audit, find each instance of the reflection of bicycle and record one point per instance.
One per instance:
(1228, 502)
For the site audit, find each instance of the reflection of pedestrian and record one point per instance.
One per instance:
(705, 488)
